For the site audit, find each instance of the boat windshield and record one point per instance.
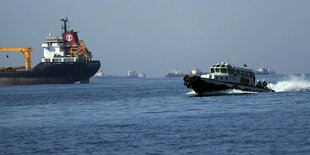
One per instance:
(223, 70)
(251, 74)
(212, 70)
(242, 73)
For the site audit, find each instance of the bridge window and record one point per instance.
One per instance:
(223, 70)
(242, 73)
(56, 60)
(217, 70)
(238, 72)
(212, 70)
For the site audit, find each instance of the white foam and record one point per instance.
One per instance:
(191, 93)
(222, 92)
(293, 83)
(238, 91)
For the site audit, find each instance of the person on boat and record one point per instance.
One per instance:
(258, 84)
(264, 84)
(253, 80)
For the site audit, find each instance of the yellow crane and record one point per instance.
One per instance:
(82, 49)
(24, 51)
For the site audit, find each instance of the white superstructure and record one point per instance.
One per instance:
(65, 48)
(132, 73)
(225, 72)
(54, 50)
(99, 74)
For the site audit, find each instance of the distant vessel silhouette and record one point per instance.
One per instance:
(175, 73)
(99, 74)
(264, 71)
(133, 74)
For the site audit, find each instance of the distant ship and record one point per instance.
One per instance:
(133, 74)
(66, 60)
(141, 75)
(264, 71)
(196, 72)
(175, 73)
(99, 74)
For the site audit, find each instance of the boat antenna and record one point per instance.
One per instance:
(234, 57)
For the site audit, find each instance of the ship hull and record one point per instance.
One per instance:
(174, 75)
(52, 73)
(264, 73)
(203, 85)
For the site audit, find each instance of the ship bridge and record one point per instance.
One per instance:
(65, 48)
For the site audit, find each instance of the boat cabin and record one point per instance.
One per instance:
(225, 72)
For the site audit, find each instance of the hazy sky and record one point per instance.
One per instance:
(156, 36)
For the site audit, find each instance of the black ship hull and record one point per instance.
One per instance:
(51, 73)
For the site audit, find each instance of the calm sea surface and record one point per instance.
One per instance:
(154, 116)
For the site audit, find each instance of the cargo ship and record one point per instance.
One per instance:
(264, 71)
(175, 73)
(66, 60)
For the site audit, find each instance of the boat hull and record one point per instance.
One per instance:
(52, 73)
(203, 85)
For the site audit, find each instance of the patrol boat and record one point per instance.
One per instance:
(224, 76)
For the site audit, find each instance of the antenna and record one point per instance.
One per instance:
(64, 27)
(234, 59)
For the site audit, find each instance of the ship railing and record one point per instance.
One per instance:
(70, 59)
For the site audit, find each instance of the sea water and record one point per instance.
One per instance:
(155, 116)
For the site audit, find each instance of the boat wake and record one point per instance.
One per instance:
(222, 92)
(292, 84)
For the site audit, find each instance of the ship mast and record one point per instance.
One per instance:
(65, 20)
(64, 27)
